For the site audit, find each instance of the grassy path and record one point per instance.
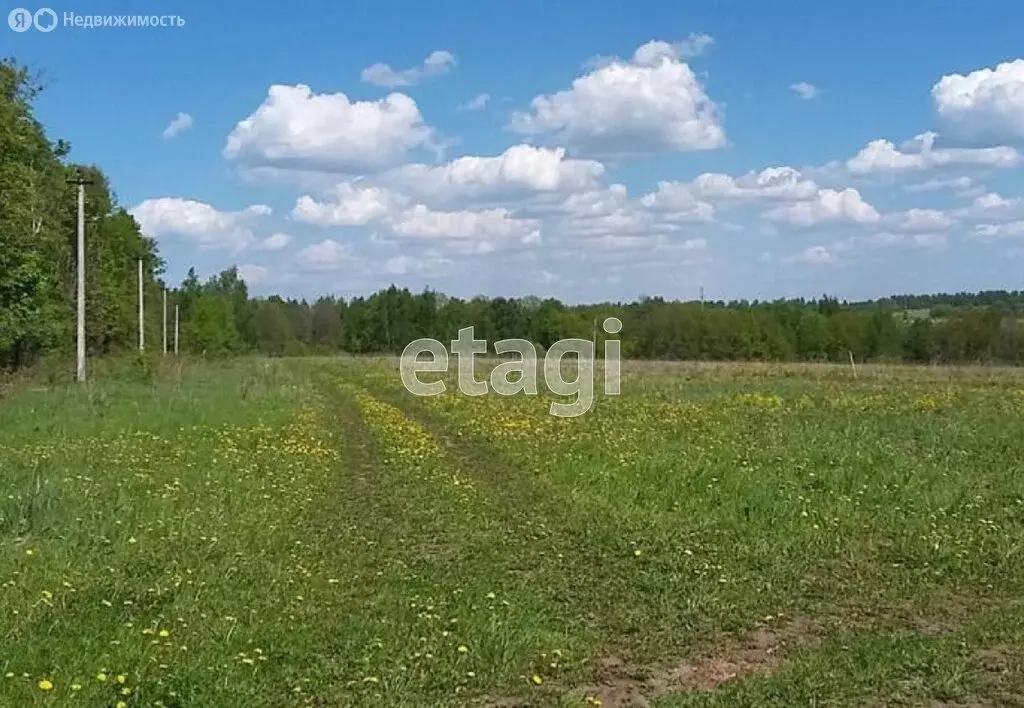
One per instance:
(481, 565)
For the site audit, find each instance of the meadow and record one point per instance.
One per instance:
(305, 533)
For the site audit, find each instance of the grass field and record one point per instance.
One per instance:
(304, 533)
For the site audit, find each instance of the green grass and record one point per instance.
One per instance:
(259, 533)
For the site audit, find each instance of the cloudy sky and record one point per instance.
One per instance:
(579, 150)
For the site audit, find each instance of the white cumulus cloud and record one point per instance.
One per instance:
(1010, 229)
(519, 170)
(350, 205)
(830, 205)
(275, 242)
(198, 222)
(694, 45)
(430, 262)
(954, 184)
(890, 239)
(882, 156)
(467, 231)
(987, 103)
(770, 184)
(295, 128)
(813, 254)
(477, 103)
(179, 124)
(921, 220)
(678, 200)
(437, 63)
(650, 103)
(992, 207)
(992, 200)
(611, 220)
(325, 256)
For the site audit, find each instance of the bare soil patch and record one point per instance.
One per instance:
(758, 653)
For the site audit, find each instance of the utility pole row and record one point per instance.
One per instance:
(80, 180)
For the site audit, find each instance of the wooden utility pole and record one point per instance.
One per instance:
(81, 181)
(164, 330)
(142, 318)
(175, 330)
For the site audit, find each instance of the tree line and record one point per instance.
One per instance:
(38, 217)
(223, 320)
(218, 316)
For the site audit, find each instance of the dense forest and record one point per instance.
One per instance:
(219, 317)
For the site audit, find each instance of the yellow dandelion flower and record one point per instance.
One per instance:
(121, 704)
(45, 685)
(101, 677)
(121, 678)
(537, 679)
(164, 633)
(463, 649)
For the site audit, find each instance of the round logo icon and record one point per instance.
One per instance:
(45, 20)
(20, 19)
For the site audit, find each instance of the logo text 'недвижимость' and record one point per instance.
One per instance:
(46, 19)
(466, 347)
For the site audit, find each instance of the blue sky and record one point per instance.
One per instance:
(550, 186)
